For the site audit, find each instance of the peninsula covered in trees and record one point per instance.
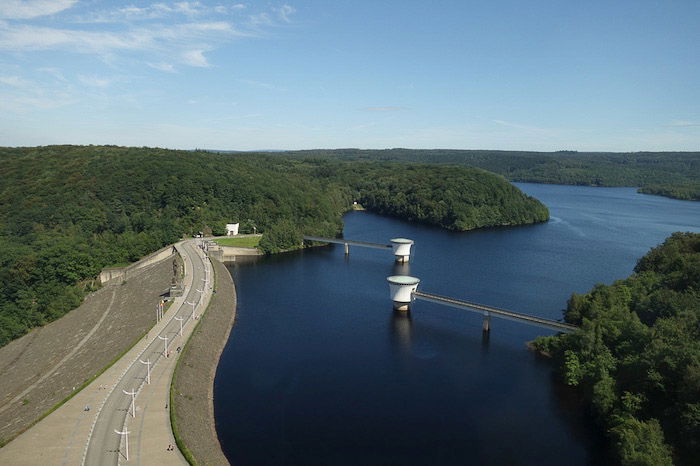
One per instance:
(636, 359)
(671, 174)
(66, 212)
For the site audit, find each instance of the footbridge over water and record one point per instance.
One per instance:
(400, 246)
(489, 311)
(404, 290)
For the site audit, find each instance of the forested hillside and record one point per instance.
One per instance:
(454, 198)
(66, 212)
(672, 174)
(636, 359)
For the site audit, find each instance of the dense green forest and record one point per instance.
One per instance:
(672, 174)
(454, 198)
(636, 359)
(684, 191)
(66, 212)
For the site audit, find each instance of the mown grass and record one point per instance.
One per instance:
(244, 242)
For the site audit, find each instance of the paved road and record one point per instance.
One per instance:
(104, 446)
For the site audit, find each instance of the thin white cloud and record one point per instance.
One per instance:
(158, 11)
(14, 81)
(279, 15)
(262, 85)
(386, 108)
(520, 126)
(259, 19)
(167, 67)
(94, 81)
(188, 8)
(55, 72)
(195, 58)
(27, 9)
(284, 12)
(184, 43)
(683, 124)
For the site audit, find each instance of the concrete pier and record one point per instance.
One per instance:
(401, 289)
(487, 322)
(402, 249)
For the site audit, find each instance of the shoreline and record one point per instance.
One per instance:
(192, 388)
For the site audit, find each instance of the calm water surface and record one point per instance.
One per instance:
(320, 371)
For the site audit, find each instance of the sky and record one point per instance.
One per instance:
(541, 75)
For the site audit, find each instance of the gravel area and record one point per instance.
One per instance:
(50, 363)
(193, 382)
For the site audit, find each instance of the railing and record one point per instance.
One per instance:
(348, 242)
(496, 312)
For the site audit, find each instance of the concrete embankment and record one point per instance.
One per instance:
(52, 363)
(124, 273)
(193, 383)
(229, 253)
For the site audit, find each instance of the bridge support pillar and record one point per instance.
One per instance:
(347, 249)
(487, 322)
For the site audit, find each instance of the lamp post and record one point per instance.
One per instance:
(180, 319)
(148, 370)
(165, 343)
(126, 441)
(159, 310)
(133, 401)
(192, 304)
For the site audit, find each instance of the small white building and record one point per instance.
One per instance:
(232, 229)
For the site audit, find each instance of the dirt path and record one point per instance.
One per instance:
(193, 383)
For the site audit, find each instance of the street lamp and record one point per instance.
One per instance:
(133, 401)
(192, 304)
(126, 441)
(159, 310)
(148, 369)
(180, 319)
(165, 343)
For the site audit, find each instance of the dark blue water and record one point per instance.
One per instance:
(320, 371)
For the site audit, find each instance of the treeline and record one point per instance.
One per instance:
(673, 170)
(636, 359)
(455, 198)
(66, 212)
(686, 192)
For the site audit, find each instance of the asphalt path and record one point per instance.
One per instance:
(104, 446)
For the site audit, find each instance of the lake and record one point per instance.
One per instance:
(319, 370)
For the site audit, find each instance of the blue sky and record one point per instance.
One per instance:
(533, 75)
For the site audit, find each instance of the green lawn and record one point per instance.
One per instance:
(245, 242)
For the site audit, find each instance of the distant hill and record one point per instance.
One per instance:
(672, 174)
(66, 212)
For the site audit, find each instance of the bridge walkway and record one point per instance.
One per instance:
(502, 313)
(348, 242)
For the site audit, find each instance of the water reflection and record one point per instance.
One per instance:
(401, 331)
(400, 268)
